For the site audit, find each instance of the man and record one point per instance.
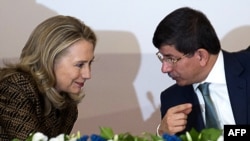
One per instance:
(190, 52)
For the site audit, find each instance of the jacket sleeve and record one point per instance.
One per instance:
(18, 112)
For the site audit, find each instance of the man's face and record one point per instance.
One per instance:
(183, 68)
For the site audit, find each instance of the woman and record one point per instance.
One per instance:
(41, 91)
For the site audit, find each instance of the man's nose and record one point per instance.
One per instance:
(166, 67)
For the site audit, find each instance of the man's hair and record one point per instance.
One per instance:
(187, 30)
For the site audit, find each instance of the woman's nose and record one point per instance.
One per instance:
(86, 73)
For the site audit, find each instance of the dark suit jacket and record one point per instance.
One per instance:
(237, 71)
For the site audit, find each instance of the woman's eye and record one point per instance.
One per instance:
(79, 65)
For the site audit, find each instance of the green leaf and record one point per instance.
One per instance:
(194, 134)
(126, 137)
(106, 132)
(211, 134)
(155, 137)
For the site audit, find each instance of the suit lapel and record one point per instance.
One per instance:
(195, 117)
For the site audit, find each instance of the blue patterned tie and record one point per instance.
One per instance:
(211, 116)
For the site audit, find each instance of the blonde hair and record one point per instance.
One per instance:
(47, 42)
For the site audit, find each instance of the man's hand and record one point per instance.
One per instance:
(175, 119)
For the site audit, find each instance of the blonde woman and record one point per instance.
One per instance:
(41, 91)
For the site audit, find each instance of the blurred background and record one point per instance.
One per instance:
(124, 92)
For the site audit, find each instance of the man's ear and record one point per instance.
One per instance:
(203, 56)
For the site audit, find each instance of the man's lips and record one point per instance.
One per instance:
(173, 76)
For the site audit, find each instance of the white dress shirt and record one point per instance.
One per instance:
(218, 93)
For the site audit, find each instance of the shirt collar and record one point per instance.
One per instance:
(217, 72)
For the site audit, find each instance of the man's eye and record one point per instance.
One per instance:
(170, 59)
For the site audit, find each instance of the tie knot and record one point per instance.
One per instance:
(204, 88)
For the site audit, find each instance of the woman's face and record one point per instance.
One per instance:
(74, 67)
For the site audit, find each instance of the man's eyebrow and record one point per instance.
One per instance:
(168, 55)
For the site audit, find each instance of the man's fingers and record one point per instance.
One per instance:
(186, 108)
(175, 119)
